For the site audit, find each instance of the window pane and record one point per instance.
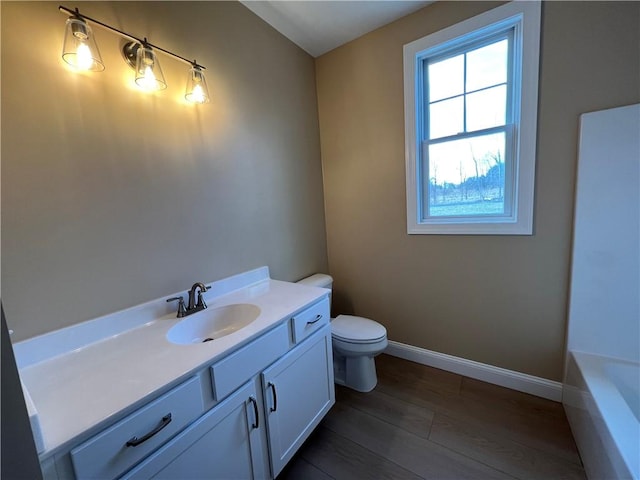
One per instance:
(446, 117)
(446, 78)
(487, 66)
(466, 177)
(486, 108)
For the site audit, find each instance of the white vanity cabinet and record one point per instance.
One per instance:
(243, 416)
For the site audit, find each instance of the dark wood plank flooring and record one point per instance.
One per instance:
(424, 423)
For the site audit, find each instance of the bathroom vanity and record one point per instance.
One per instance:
(123, 396)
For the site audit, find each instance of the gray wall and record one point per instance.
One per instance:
(112, 197)
(500, 300)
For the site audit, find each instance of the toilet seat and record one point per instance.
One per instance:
(357, 330)
(351, 349)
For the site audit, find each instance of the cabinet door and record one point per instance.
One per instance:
(225, 443)
(298, 392)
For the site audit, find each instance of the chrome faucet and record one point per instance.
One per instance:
(193, 306)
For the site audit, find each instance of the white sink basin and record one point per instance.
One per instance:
(212, 323)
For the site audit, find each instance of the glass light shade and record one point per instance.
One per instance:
(148, 72)
(80, 49)
(197, 91)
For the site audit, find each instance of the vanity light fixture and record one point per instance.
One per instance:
(81, 52)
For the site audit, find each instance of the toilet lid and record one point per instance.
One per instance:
(357, 329)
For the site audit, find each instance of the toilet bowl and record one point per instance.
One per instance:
(356, 341)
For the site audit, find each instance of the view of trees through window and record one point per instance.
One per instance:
(466, 132)
(467, 177)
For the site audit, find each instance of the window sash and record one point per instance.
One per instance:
(462, 49)
(424, 189)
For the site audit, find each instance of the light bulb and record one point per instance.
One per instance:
(84, 59)
(197, 95)
(148, 80)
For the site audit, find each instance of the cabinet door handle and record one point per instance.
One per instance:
(255, 411)
(275, 397)
(317, 319)
(135, 441)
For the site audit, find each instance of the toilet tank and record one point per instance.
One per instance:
(318, 280)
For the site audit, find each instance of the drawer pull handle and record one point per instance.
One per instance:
(275, 397)
(317, 319)
(135, 441)
(255, 411)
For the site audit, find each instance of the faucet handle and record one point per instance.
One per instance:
(182, 311)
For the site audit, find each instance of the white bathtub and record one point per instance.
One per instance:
(602, 401)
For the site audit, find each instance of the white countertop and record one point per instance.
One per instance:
(79, 389)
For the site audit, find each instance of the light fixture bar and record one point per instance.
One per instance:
(76, 13)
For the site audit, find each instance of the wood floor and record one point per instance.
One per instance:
(424, 423)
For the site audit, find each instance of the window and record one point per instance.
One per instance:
(470, 118)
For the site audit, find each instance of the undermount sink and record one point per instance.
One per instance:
(212, 323)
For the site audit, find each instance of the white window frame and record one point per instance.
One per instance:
(524, 16)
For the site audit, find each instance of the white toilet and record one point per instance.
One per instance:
(356, 341)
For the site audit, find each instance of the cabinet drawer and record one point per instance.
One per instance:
(228, 374)
(310, 320)
(107, 455)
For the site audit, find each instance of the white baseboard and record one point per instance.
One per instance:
(522, 382)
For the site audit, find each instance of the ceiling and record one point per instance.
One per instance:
(318, 26)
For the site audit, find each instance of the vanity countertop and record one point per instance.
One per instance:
(85, 387)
